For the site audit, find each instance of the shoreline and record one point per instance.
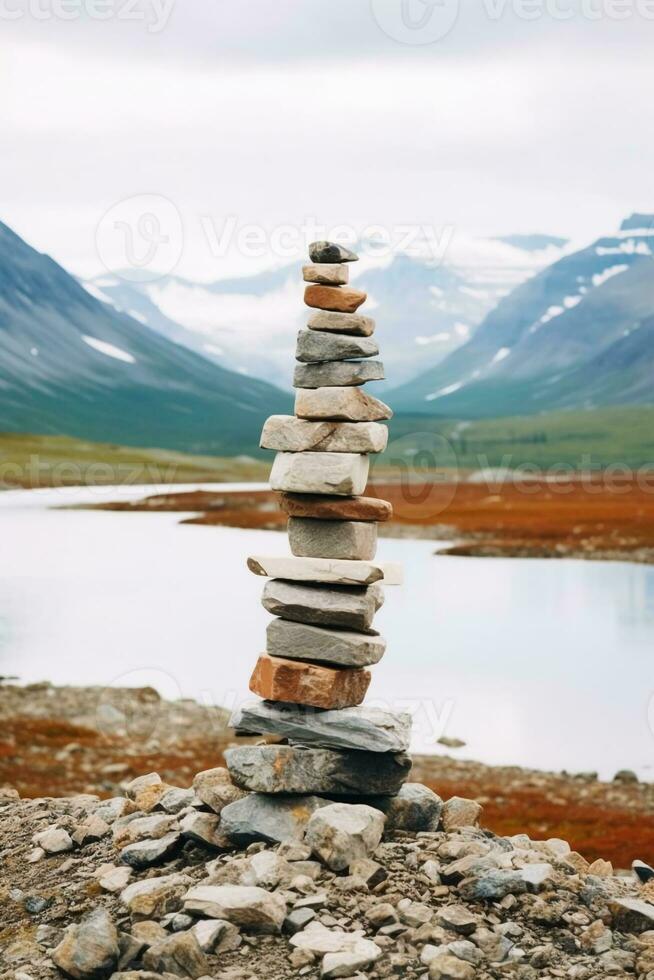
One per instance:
(59, 741)
(574, 520)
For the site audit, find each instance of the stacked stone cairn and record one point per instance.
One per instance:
(319, 740)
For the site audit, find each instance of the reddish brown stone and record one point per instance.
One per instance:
(338, 299)
(335, 508)
(298, 682)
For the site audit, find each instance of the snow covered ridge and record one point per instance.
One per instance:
(109, 350)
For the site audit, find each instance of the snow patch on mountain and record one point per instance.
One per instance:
(108, 349)
(614, 270)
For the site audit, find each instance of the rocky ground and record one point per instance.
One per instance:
(163, 881)
(59, 741)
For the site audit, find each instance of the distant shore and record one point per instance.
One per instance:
(573, 518)
(58, 741)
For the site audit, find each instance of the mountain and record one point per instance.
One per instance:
(574, 335)
(426, 307)
(70, 364)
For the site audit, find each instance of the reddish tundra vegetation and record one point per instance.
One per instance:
(588, 517)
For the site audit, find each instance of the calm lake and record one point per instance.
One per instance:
(538, 663)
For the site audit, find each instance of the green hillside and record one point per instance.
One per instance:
(583, 439)
(44, 461)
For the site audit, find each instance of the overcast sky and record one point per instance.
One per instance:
(268, 112)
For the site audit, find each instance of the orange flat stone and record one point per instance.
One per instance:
(337, 299)
(298, 682)
(335, 508)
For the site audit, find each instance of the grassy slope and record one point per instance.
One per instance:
(580, 439)
(42, 461)
(594, 439)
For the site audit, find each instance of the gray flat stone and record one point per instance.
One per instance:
(348, 404)
(341, 648)
(294, 769)
(352, 323)
(273, 819)
(326, 273)
(332, 571)
(339, 373)
(315, 345)
(344, 474)
(286, 433)
(324, 251)
(415, 808)
(347, 607)
(147, 853)
(360, 729)
(309, 537)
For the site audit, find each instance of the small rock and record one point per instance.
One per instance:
(445, 966)
(602, 868)
(625, 776)
(176, 799)
(324, 251)
(216, 789)
(298, 919)
(203, 828)
(339, 299)
(597, 938)
(415, 808)
(315, 685)
(537, 876)
(457, 918)
(341, 833)
(338, 648)
(250, 907)
(270, 819)
(349, 323)
(348, 404)
(314, 538)
(155, 897)
(299, 769)
(459, 812)
(179, 954)
(147, 853)
(632, 915)
(381, 915)
(337, 374)
(314, 346)
(360, 728)
(492, 885)
(286, 433)
(348, 963)
(93, 829)
(326, 274)
(114, 879)
(54, 840)
(343, 474)
(89, 950)
(370, 872)
(216, 935)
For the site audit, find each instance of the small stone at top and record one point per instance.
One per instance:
(330, 252)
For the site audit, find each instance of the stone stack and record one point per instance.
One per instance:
(313, 677)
